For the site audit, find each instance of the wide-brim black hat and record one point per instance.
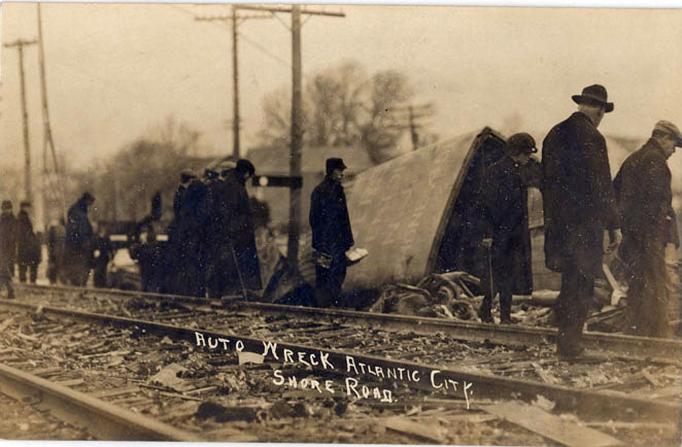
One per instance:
(594, 95)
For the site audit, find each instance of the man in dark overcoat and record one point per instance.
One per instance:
(149, 254)
(79, 244)
(56, 237)
(8, 246)
(579, 205)
(643, 189)
(507, 236)
(235, 253)
(189, 274)
(332, 234)
(28, 245)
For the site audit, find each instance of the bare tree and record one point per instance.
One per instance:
(381, 131)
(342, 107)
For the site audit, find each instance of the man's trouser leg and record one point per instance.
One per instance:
(654, 294)
(22, 272)
(328, 283)
(34, 273)
(505, 304)
(571, 309)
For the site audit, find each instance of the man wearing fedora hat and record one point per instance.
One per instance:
(505, 214)
(332, 234)
(579, 204)
(8, 246)
(643, 189)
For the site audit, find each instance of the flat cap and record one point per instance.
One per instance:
(245, 166)
(334, 163)
(668, 128)
(521, 143)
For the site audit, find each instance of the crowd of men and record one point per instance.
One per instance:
(211, 240)
(19, 245)
(211, 249)
(581, 203)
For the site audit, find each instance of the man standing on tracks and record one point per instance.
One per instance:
(579, 204)
(28, 245)
(8, 246)
(332, 234)
(79, 246)
(505, 212)
(234, 253)
(188, 270)
(643, 189)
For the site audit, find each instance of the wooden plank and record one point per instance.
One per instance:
(552, 427)
(70, 382)
(420, 430)
(617, 425)
(7, 323)
(115, 392)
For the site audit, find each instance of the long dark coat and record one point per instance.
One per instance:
(8, 243)
(578, 197)
(329, 219)
(28, 246)
(232, 226)
(184, 261)
(645, 199)
(79, 234)
(505, 212)
(644, 194)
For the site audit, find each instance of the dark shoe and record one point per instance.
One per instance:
(509, 320)
(485, 316)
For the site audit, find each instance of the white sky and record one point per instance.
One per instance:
(117, 71)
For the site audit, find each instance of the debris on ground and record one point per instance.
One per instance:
(439, 295)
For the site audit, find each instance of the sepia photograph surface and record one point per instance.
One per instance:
(348, 224)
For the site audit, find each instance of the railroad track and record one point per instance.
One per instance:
(94, 386)
(587, 403)
(630, 347)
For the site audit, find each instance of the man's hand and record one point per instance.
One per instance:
(615, 238)
(487, 242)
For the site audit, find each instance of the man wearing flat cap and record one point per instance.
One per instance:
(649, 224)
(579, 205)
(332, 234)
(8, 246)
(507, 236)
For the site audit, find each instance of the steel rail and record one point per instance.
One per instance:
(592, 405)
(99, 418)
(629, 346)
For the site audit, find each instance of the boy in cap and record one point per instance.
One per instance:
(8, 246)
(507, 237)
(332, 234)
(649, 224)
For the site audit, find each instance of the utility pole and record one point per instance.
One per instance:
(19, 45)
(235, 84)
(53, 191)
(296, 134)
(296, 115)
(234, 20)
